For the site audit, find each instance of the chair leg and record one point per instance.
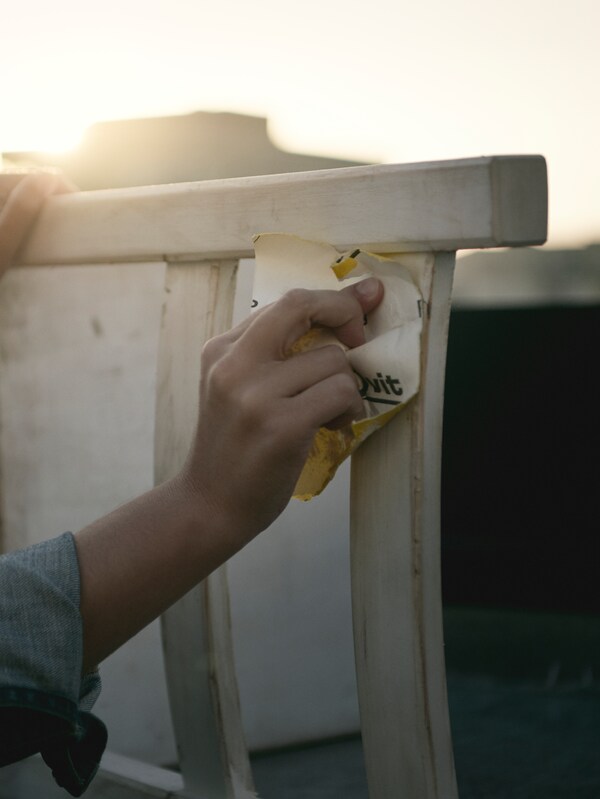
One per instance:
(396, 585)
(196, 631)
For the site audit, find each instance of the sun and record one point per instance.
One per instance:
(35, 132)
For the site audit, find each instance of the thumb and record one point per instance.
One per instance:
(369, 293)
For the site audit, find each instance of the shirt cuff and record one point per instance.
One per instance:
(44, 701)
(70, 740)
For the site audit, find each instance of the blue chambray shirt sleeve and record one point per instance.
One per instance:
(44, 701)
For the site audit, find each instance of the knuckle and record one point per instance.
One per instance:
(252, 409)
(297, 298)
(335, 357)
(346, 389)
(352, 390)
(236, 397)
(211, 351)
(220, 375)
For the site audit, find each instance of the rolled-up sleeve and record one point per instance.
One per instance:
(44, 700)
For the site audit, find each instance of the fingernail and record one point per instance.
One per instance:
(368, 289)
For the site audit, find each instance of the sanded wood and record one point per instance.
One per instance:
(197, 630)
(396, 587)
(446, 205)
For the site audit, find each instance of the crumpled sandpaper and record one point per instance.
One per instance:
(387, 366)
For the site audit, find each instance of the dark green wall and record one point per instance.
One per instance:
(521, 481)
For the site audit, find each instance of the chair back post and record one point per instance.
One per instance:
(196, 631)
(396, 586)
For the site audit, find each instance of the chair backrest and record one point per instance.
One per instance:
(198, 233)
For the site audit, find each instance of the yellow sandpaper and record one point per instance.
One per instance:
(387, 366)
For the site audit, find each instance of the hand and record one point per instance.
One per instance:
(260, 408)
(21, 199)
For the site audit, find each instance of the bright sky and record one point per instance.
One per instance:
(387, 80)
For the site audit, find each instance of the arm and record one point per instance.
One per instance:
(258, 413)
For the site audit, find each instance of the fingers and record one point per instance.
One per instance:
(21, 199)
(298, 373)
(368, 293)
(275, 329)
(311, 389)
(333, 402)
(254, 359)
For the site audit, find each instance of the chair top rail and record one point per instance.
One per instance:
(493, 201)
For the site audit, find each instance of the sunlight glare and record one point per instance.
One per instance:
(30, 132)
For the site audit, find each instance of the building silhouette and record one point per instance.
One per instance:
(174, 149)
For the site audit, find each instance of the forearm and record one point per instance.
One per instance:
(142, 557)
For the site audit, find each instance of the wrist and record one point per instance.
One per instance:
(214, 531)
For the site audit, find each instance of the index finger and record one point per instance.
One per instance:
(281, 324)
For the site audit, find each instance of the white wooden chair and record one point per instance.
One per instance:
(201, 231)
